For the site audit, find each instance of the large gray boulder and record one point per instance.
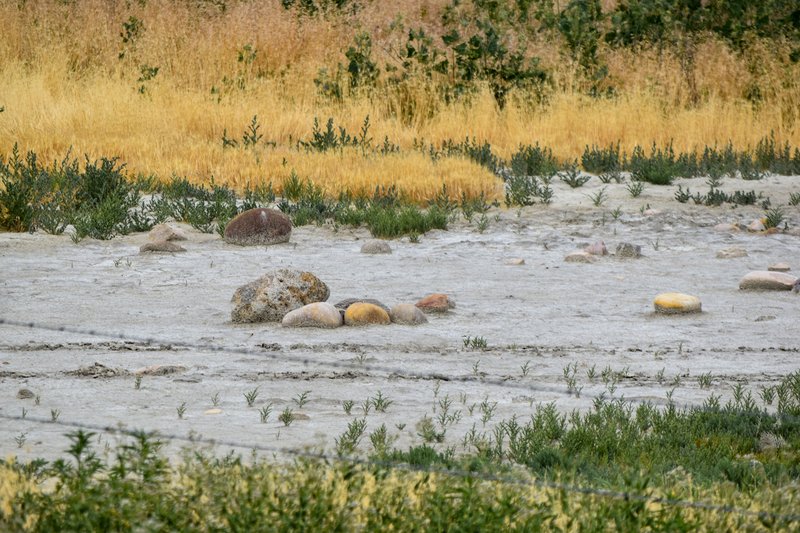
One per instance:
(273, 295)
(261, 226)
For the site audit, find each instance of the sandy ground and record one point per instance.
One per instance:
(546, 313)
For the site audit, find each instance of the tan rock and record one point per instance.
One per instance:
(364, 314)
(756, 225)
(580, 256)
(731, 253)
(213, 411)
(779, 267)
(376, 246)
(165, 232)
(516, 261)
(676, 303)
(407, 314)
(765, 280)
(25, 394)
(436, 303)
(314, 315)
(161, 247)
(598, 248)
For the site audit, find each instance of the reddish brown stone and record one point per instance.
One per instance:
(436, 303)
(260, 226)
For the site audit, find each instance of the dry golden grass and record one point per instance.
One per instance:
(64, 85)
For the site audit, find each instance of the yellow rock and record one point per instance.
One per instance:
(214, 411)
(676, 302)
(362, 314)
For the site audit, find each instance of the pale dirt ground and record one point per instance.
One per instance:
(546, 313)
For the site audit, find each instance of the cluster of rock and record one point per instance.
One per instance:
(755, 226)
(775, 278)
(299, 299)
(590, 253)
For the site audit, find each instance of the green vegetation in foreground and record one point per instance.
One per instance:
(735, 455)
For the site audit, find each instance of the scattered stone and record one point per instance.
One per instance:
(213, 411)
(779, 267)
(677, 303)
(436, 303)
(25, 394)
(161, 247)
(364, 314)
(580, 256)
(97, 370)
(765, 318)
(300, 416)
(316, 315)
(598, 248)
(347, 302)
(516, 261)
(731, 253)
(376, 246)
(756, 225)
(764, 280)
(726, 227)
(274, 294)
(628, 250)
(651, 212)
(407, 314)
(160, 370)
(165, 232)
(260, 226)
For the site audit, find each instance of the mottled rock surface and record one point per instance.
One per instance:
(271, 296)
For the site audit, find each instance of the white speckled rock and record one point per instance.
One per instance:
(628, 250)
(676, 303)
(580, 256)
(376, 246)
(764, 280)
(271, 296)
(407, 314)
(316, 315)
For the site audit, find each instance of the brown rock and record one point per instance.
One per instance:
(161, 247)
(25, 394)
(628, 250)
(261, 226)
(436, 303)
(160, 370)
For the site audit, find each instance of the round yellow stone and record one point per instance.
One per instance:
(676, 302)
(362, 314)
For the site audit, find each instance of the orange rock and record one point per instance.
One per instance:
(436, 303)
(363, 314)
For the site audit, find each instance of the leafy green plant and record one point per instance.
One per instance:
(635, 188)
(287, 416)
(250, 397)
(301, 399)
(347, 442)
(599, 197)
(264, 412)
(773, 217)
(572, 176)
